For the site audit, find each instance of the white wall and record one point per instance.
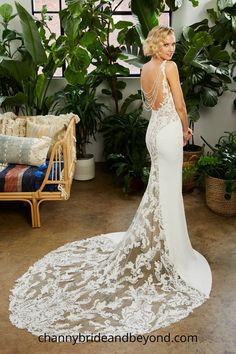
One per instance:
(213, 121)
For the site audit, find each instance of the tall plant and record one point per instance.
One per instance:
(21, 66)
(35, 59)
(124, 143)
(81, 99)
(224, 31)
(204, 68)
(147, 12)
(93, 23)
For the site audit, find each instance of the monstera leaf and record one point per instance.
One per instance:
(209, 97)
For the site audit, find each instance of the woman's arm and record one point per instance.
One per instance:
(172, 75)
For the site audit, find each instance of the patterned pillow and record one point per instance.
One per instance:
(52, 119)
(22, 150)
(56, 132)
(10, 124)
(7, 115)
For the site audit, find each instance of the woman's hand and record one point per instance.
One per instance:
(187, 135)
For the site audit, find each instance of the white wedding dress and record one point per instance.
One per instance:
(135, 281)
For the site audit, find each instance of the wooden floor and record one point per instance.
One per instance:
(99, 206)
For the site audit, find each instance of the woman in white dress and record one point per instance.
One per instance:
(146, 277)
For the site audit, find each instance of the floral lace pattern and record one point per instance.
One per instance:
(100, 286)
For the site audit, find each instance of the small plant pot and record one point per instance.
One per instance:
(191, 150)
(189, 186)
(85, 168)
(215, 191)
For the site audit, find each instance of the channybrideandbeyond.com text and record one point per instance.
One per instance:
(128, 337)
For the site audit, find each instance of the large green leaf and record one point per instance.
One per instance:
(198, 77)
(31, 36)
(40, 88)
(74, 77)
(145, 10)
(176, 4)
(17, 69)
(80, 59)
(70, 24)
(6, 12)
(88, 38)
(123, 24)
(221, 72)
(201, 26)
(209, 97)
(130, 99)
(199, 41)
(18, 100)
(188, 33)
(193, 113)
(217, 54)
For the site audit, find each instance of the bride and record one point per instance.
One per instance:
(139, 280)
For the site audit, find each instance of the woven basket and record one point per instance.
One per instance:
(215, 191)
(189, 154)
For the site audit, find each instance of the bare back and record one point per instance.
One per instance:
(152, 84)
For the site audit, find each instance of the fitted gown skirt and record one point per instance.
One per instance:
(190, 264)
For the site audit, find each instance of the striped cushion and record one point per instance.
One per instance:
(53, 131)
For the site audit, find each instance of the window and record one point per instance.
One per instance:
(122, 12)
(53, 8)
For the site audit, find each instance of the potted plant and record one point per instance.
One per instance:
(82, 100)
(218, 168)
(224, 31)
(124, 145)
(204, 73)
(189, 175)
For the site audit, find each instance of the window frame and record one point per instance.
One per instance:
(116, 13)
(128, 13)
(61, 29)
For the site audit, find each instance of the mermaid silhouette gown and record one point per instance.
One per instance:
(124, 282)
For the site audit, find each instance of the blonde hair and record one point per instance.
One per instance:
(155, 39)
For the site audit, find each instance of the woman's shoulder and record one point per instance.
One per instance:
(171, 69)
(146, 65)
(170, 64)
